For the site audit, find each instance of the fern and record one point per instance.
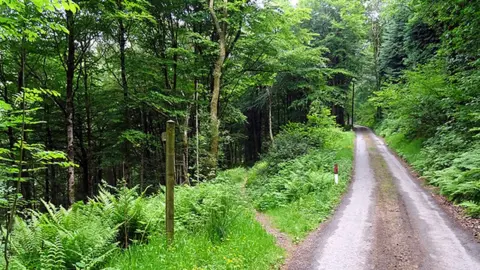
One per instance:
(53, 255)
(472, 208)
(26, 243)
(63, 238)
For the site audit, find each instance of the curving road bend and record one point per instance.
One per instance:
(388, 221)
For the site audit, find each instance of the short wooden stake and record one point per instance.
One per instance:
(335, 172)
(170, 181)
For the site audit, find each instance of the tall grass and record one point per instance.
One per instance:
(246, 246)
(216, 229)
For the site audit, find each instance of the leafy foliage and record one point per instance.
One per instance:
(53, 256)
(294, 140)
(298, 139)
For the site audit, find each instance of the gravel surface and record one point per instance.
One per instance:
(395, 243)
(387, 220)
(446, 244)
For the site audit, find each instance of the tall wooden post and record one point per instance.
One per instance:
(353, 102)
(170, 181)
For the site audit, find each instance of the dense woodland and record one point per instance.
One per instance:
(86, 88)
(229, 73)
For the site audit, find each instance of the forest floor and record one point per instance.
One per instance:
(387, 220)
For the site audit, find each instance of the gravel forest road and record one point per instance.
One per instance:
(387, 221)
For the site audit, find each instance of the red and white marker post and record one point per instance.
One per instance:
(335, 171)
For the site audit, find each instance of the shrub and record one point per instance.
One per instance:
(311, 173)
(87, 234)
(297, 139)
(472, 208)
(125, 211)
(461, 181)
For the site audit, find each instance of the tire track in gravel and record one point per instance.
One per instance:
(396, 244)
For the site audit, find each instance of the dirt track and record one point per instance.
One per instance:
(386, 221)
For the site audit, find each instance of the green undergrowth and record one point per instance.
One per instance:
(430, 117)
(247, 246)
(300, 193)
(215, 229)
(124, 229)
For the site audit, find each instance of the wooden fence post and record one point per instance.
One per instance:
(170, 181)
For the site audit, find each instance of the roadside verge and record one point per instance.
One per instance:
(307, 194)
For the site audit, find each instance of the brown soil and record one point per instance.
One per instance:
(283, 240)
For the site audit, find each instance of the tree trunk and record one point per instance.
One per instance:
(90, 164)
(122, 43)
(26, 187)
(270, 131)
(377, 43)
(51, 189)
(69, 108)
(142, 170)
(173, 34)
(11, 138)
(197, 150)
(217, 75)
(185, 146)
(85, 175)
(376, 36)
(53, 185)
(48, 147)
(143, 148)
(338, 111)
(215, 123)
